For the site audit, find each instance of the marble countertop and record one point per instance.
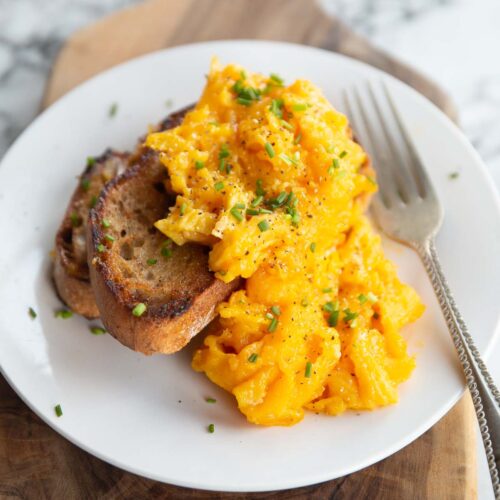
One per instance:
(455, 42)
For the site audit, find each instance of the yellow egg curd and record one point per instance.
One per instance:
(269, 177)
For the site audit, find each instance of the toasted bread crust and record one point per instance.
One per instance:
(70, 272)
(175, 312)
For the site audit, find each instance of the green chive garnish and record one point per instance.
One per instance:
(298, 138)
(269, 150)
(371, 297)
(327, 290)
(113, 110)
(252, 211)
(211, 428)
(312, 247)
(90, 161)
(243, 101)
(335, 163)
(166, 252)
(97, 330)
(101, 248)
(257, 201)
(105, 223)
(139, 310)
(63, 314)
(333, 318)
(259, 191)
(277, 79)
(198, 165)
(277, 107)
(263, 225)
(93, 201)
(85, 184)
(276, 310)
(58, 410)
(183, 208)
(287, 125)
(211, 400)
(32, 313)
(329, 307)
(299, 107)
(253, 357)
(109, 237)
(75, 220)
(288, 160)
(273, 325)
(219, 186)
(349, 316)
(152, 262)
(362, 298)
(308, 370)
(235, 212)
(344, 153)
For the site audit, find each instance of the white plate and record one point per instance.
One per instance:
(125, 407)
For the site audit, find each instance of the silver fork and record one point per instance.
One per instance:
(408, 210)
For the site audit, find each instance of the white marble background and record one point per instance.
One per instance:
(455, 42)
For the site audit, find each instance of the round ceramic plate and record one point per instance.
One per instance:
(148, 414)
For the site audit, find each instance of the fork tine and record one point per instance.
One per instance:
(407, 186)
(417, 169)
(361, 124)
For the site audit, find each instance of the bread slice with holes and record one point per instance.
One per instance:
(153, 296)
(70, 271)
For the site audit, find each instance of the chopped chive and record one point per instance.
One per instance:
(335, 163)
(259, 191)
(244, 101)
(333, 318)
(362, 298)
(105, 223)
(265, 211)
(76, 221)
(198, 165)
(152, 262)
(253, 357)
(252, 211)
(211, 428)
(299, 107)
(288, 160)
(308, 370)
(298, 138)
(63, 314)
(453, 175)
(139, 310)
(269, 150)
(273, 325)
(276, 310)
(224, 151)
(295, 218)
(90, 161)
(287, 125)
(257, 201)
(236, 214)
(219, 186)
(211, 400)
(166, 252)
(58, 410)
(182, 209)
(349, 316)
(113, 109)
(329, 307)
(371, 297)
(97, 330)
(312, 247)
(263, 225)
(109, 237)
(327, 290)
(277, 79)
(277, 107)
(330, 170)
(85, 184)
(222, 164)
(280, 199)
(239, 206)
(268, 315)
(32, 313)
(101, 248)
(93, 202)
(344, 153)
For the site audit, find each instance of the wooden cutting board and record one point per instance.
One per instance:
(35, 462)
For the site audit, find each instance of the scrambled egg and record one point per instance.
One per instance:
(269, 177)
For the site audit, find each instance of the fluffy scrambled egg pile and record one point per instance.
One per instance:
(269, 177)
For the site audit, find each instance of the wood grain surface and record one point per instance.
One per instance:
(35, 462)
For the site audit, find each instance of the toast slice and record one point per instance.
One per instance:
(131, 263)
(70, 272)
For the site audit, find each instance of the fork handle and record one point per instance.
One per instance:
(485, 395)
